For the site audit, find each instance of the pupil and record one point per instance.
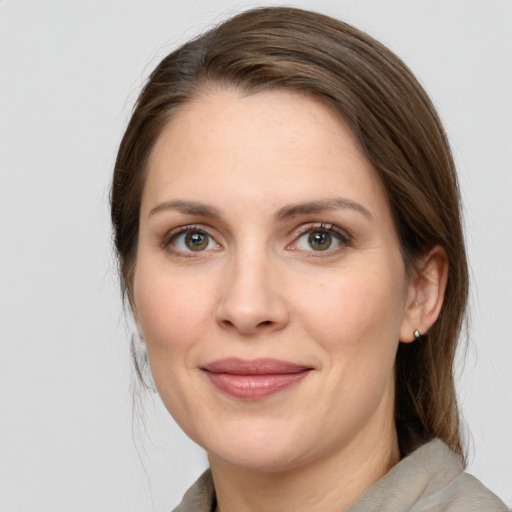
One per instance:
(196, 241)
(320, 240)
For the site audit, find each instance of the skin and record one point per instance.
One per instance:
(259, 289)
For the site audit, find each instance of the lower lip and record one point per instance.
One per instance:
(253, 387)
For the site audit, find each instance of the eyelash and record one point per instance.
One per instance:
(340, 235)
(174, 234)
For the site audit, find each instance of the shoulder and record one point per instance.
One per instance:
(200, 497)
(466, 493)
(431, 479)
(449, 488)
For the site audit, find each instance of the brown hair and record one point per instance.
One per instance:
(398, 130)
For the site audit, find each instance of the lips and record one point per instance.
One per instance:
(254, 379)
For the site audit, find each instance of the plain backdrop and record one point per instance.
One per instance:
(70, 72)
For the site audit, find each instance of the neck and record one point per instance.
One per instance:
(329, 484)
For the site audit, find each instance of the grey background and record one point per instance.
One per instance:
(70, 72)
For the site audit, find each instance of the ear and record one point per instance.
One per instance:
(425, 294)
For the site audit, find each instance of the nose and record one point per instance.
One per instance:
(251, 301)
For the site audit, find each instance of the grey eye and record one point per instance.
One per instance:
(192, 240)
(320, 240)
(196, 241)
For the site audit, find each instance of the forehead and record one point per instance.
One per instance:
(273, 144)
(272, 118)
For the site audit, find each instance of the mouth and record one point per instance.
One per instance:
(254, 379)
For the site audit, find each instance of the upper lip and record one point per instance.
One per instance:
(262, 366)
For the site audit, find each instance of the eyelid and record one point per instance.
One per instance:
(322, 226)
(341, 234)
(170, 236)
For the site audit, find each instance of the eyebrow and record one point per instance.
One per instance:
(319, 206)
(287, 211)
(189, 207)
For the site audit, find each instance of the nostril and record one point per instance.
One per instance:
(228, 324)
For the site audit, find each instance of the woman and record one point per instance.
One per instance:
(286, 215)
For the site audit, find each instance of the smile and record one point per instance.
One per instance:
(253, 379)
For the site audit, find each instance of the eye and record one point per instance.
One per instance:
(189, 239)
(320, 239)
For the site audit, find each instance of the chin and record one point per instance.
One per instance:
(264, 450)
(257, 458)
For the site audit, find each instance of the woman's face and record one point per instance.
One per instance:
(269, 287)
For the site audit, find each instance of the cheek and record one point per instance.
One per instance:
(173, 311)
(356, 311)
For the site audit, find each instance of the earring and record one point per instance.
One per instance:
(417, 335)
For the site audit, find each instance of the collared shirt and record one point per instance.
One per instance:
(430, 479)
